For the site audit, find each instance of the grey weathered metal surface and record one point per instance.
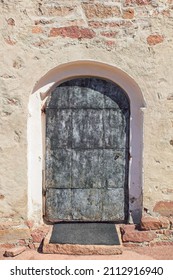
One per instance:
(87, 131)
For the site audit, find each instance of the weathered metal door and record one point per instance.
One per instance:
(87, 133)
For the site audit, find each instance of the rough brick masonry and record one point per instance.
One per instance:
(150, 232)
(134, 35)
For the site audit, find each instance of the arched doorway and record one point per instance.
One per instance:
(87, 151)
(36, 130)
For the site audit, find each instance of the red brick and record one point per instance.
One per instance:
(155, 39)
(38, 234)
(14, 251)
(96, 24)
(100, 11)
(164, 222)
(73, 32)
(148, 223)
(153, 223)
(127, 228)
(2, 196)
(128, 13)
(164, 208)
(29, 223)
(37, 29)
(109, 34)
(138, 236)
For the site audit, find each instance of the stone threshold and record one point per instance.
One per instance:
(78, 249)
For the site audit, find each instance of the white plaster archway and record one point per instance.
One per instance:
(36, 127)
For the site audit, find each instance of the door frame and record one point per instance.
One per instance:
(36, 130)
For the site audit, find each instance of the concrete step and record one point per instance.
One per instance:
(73, 247)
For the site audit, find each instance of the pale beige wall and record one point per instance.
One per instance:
(28, 52)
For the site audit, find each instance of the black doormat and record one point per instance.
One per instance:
(85, 234)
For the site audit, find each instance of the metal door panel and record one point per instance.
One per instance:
(87, 204)
(113, 205)
(87, 142)
(87, 169)
(87, 128)
(59, 169)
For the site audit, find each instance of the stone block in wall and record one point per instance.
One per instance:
(73, 32)
(100, 10)
(153, 223)
(29, 223)
(39, 233)
(14, 234)
(164, 208)
(165, 222)
(127, 228)
(128, 13)
(155, 39)
(139, 236)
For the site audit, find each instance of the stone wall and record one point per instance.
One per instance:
(151, 231)
(135, 36)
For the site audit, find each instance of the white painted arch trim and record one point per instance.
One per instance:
(36, 126)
